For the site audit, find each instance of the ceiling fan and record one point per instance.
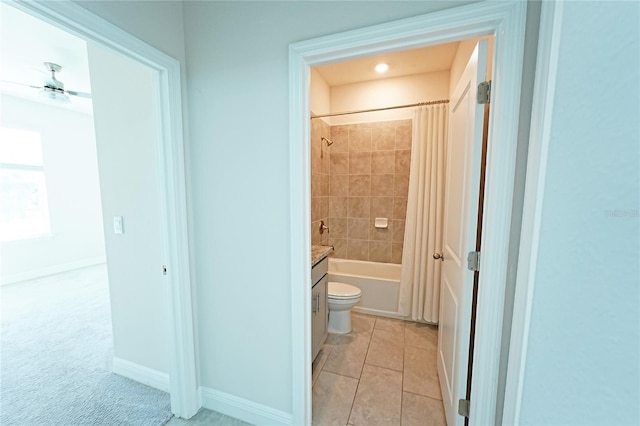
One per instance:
(53, 89)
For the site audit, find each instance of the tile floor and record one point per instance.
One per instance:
(382, 373)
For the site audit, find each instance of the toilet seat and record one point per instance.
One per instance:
(337, 290)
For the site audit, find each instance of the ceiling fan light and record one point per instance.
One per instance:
(55, 96)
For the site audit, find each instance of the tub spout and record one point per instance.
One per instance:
(323, 227)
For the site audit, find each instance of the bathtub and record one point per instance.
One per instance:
(379, 283)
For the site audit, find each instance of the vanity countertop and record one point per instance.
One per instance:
(319, 252)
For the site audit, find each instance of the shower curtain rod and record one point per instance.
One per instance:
(334, 114)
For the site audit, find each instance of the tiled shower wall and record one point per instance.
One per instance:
(319, 181)
(368, 177)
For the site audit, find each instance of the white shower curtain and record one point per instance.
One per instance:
(420, 279)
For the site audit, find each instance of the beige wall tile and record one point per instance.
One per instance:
(382, 162)
(338, 227)
(403, 136)
(316, 237)
(401, 184)
(339, 185)
(359, 163)
(396, 253)
(399, 208)
(359, 139)
(323, 185)
(382, 207)
(358, 249)
(380, 251)
(339, 247)
(380, 234)
(359, 185)
(339, 163)
(340, 138)
(378, 399)
(338, 206)
(358, 229)
(403, 161)
(383, 138)
(398, 231)
(359, 207)
(382, 185)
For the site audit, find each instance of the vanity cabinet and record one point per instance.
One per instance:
(319, 308)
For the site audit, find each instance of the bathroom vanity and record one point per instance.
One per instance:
(319, 308)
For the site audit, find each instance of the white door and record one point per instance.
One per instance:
(464, 156)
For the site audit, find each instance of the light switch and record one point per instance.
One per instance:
(118, 225)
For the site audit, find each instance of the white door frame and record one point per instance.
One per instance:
(506, 21)
(539, 137)
(172, 183)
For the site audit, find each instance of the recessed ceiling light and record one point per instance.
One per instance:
(382, 67)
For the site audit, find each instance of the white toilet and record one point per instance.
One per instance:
(342, 297)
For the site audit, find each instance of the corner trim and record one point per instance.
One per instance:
(139, 373)
(541, 120)
(243, 409)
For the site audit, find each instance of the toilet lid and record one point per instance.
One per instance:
(342, 291)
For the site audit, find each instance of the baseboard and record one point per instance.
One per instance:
(245, 410)
(52, 270)
(139, 373)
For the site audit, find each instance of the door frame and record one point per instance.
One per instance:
(506, 22)
(171, 181)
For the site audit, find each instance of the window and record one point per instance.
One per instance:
(23, 194)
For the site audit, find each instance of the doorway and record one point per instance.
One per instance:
(472, 21)
(174, 272)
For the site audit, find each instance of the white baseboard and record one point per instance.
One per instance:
(139, 373)
(243, 409)
(52, 270)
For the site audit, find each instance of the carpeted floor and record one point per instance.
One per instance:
(55, 357)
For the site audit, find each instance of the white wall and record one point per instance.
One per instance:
(126, 133)
(582, 364)
(237, 63)
(320, 94)
(73, 192)
(387, 92)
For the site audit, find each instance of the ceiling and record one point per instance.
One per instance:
(27, 42)
(408, 62)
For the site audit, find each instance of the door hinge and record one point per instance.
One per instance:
(473, 261)
(484, 92)
(463, 407)
(164, 269)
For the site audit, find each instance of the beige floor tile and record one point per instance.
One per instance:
(378, 399)
(390, 324)
(420, 372)
(418, 410)
(332, 399)
(350, 350)
(318, 363)
(386, 350)
(420, 335)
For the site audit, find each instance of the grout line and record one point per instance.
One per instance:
(425, 396)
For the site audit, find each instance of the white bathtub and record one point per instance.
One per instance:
(379, 283)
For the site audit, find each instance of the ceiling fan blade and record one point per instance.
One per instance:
(20, 84)
(79, 94)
